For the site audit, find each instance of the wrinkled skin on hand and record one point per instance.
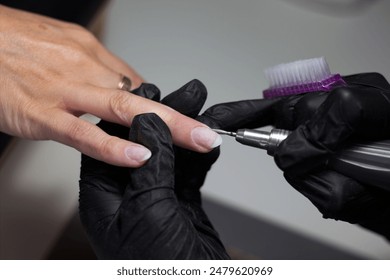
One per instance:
(322, 123)
(155, 211)
(52, 72)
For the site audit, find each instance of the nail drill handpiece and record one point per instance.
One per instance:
(266, 140)
(366, 162)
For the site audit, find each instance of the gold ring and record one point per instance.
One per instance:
(125, 83)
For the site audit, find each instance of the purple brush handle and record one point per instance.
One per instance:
(324, 85)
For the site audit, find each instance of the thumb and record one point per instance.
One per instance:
(156, 177)
(149, 217)
(188, 100)
(246, 113)
(148, 91)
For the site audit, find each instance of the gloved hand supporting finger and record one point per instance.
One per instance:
(150, 222)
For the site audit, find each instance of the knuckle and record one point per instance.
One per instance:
(170, 117)
(76, 133)
(89, 38)
(83, 34)
(106, 146)
(343, 94)
(78, 30)
(119, 104)
(74, 53)
(85, 139)
(343, 198)
(74, 26)
(347, 103)
(334, 210)
(80, 46)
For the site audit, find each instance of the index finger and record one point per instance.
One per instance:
(121, 107)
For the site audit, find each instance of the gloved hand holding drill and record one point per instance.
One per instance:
(323, 123)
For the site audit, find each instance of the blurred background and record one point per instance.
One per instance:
(226, 44)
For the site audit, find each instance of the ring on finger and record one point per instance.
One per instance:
(124, 83)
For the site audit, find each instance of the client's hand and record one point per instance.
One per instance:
(155, 211)
(52, 72)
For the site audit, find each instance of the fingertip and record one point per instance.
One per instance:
(205, 138)
(137, 155)
(217, 142)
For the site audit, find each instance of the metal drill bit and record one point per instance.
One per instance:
(266, 140)
(224, 132)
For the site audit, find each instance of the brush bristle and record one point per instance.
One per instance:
(301, 76)
(298, 72)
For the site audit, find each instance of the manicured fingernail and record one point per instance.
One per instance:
(138, 153)
(205, 137)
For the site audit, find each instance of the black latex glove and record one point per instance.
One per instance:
(155, 211)
(322, 123)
